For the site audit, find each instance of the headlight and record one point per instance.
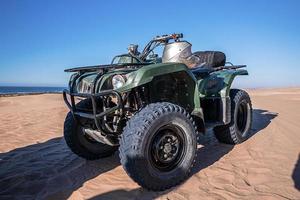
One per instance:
(118, 81)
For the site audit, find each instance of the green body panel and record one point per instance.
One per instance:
(102, 82)
(218, 83)
(174, 80)
(147, 73)
(89, 77)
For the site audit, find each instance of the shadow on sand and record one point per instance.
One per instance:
(46, 166)
(47, 170)
(296, 174)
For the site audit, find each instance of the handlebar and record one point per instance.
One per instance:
(158, 40)
(174, 36)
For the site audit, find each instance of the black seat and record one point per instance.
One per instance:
(211, 58)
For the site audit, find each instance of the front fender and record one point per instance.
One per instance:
(147, 73)
(187, 97)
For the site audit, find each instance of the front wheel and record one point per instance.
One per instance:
(238, 129)
(79, 142)
(158, 146)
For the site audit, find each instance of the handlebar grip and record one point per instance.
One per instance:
(171, 36)
(179, 35)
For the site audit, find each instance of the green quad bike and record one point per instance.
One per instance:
(153, 108)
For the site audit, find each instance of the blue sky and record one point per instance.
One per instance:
(39, 39)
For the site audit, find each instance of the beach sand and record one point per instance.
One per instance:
(36, 163)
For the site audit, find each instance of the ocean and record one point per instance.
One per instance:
(6, 90)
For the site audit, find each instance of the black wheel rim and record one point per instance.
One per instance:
(242, 117)
(167, 148)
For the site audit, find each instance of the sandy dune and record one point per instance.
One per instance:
(35, 162)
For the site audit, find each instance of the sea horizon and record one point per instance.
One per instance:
(11, 90)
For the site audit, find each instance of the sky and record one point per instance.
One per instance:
(39, 39)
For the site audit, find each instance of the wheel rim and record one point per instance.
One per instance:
(242, 117)
(167, 148)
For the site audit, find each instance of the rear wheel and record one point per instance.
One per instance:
(238, 129)
(82, 144)
(158, 146)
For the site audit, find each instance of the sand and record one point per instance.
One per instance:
(36, 163)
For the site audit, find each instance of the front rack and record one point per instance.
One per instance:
(95, 116)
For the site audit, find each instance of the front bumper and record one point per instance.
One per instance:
(94, 115)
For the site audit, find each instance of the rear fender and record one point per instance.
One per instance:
(214, 93)
(218, 84)
(228, 79)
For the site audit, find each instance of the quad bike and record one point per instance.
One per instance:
(152, 109)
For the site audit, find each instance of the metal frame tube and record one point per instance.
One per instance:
(96, 116)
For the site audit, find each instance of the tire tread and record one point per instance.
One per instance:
(133, 133)
(227, 133)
